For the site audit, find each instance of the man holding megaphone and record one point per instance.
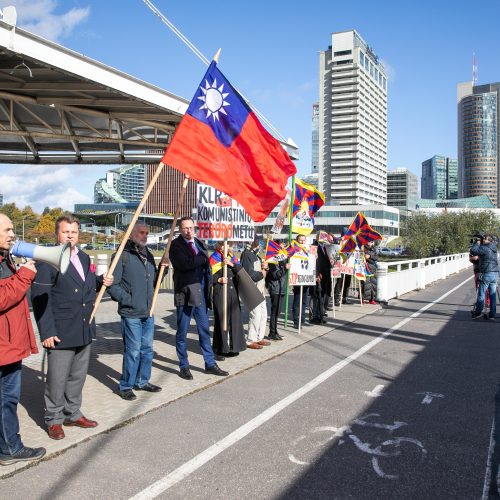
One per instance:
(17, 341)
(62, 304)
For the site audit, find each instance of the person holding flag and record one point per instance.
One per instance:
(231, 342)
(369, 285)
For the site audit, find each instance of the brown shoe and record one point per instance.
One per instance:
(254, 345)
(264, 342)
(83, 422)
(55, 431)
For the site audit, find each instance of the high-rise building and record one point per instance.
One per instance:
(1, 200)
(402, 188)
(479, 140)
(121, 185)
(315, 139)
(352, 122)
(439, 178)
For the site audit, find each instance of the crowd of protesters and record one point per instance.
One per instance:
(63, 304)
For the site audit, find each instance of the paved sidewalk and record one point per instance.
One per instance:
(100, 396)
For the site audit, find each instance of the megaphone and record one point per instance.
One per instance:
(58, 256)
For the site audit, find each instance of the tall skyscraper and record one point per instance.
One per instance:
(402, 188)
(1, 200)
(479, 140)
(352, 122)
(439, 178)
(315, 139)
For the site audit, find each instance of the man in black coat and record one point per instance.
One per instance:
(62, 305)
(192, 296)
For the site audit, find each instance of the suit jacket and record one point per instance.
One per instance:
(62, 304)
(190, 271)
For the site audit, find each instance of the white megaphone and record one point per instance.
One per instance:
(58, 256)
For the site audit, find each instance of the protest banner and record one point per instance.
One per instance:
(302, 270)
(220, 217)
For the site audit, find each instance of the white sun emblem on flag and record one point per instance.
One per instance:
(213, 99)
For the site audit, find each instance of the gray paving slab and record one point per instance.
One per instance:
(100, 396)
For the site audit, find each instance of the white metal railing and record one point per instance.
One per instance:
(396, 278)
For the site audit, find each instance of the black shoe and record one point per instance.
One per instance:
(345, 301)
(185, 374)
(337, 303)
(476, 315)
(127, 395)
(219, 357)
(275, 337)
(23, 455)
(316, 321)
(148, 388)
(231, 354)
(215, 370)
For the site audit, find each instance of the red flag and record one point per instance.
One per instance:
(222, 143)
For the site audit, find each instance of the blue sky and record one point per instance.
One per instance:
(270, 52)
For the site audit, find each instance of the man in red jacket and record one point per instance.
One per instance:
(17, 341)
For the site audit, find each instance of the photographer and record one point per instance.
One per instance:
(486, 250)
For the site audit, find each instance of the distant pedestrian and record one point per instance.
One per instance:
(486, 250)
(276, 284)
(192, 296)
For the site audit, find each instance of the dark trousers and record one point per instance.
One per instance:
(10, 392)
(318, 302)
(338, 287)
(275, 312)
(184, 315)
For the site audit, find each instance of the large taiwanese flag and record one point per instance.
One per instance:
(220, 142)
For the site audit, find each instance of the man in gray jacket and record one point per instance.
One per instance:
(133, 289)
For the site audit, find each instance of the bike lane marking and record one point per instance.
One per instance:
(205, 456)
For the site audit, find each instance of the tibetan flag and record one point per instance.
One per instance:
(307, 201)
(216, 261)
(358, 234)
(220, 142)
(275, 251)
(295, 249)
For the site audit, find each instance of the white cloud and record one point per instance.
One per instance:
(42, 186)
(38, 16)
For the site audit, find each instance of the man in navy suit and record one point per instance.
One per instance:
(62, 305)
(192, 296)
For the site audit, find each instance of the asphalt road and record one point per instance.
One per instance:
(400, 404)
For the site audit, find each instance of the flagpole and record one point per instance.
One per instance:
(300, 309)
(126, 236)
(164, 261)
(290, 216)
(224, 291)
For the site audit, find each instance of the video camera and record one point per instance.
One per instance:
(477, 237)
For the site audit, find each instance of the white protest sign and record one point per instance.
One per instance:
(220, 217)
(303, 270)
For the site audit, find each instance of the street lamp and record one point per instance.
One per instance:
(93, 229)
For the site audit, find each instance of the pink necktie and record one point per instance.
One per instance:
(78, 265)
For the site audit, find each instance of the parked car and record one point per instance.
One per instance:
(387, 252)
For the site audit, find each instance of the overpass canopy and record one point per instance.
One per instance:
(58, 106)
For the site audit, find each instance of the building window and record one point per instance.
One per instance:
(342, 53)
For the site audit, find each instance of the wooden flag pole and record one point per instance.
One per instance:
(126, 236)
(224, 290)
(164, 261)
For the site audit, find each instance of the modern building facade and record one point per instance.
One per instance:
(439, 178)
(315, 139)
(352, 122)
(121, 185)
(479, 140)
(402, 188)
(1, 200)
(165, 193)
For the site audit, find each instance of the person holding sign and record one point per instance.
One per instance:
(230, 342)
(370, 283)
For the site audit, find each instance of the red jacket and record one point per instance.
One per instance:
(17, 340)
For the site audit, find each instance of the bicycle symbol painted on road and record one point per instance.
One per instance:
(384, 456)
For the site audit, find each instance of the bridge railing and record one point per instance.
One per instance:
(397, 278)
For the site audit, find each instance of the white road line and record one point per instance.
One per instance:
(487, 476)
(205, 456)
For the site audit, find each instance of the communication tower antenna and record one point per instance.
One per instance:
(474, 70)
